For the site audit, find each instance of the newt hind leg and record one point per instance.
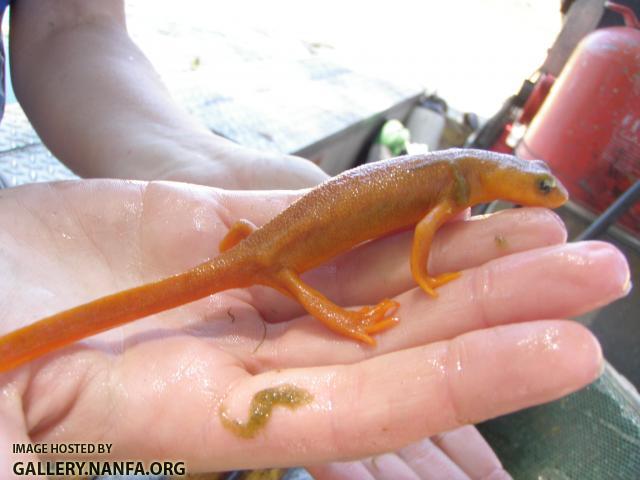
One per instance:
(358, 324)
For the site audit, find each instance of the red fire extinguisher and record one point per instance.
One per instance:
(588, 128)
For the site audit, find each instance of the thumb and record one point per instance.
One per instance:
(13, 431)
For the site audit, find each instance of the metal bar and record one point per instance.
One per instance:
(611, 214)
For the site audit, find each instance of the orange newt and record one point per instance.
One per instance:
(358, 205)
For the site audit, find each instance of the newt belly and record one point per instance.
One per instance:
(358, 205)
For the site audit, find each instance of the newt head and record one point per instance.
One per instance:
(541, 189)
(525, 182)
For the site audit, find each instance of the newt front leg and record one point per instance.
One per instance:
(238, 232)
(425, 230)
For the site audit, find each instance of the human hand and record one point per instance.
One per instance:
(88, 69)
(154, 388)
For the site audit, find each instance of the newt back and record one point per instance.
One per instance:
(359, 205)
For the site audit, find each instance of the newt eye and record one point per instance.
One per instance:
(545, 184)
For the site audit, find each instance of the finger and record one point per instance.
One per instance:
(389, 466)
(389, 401)
(430, 462)
(340, 471)
(471, 452)
(553, 282)
(381, 268)
(457, 246)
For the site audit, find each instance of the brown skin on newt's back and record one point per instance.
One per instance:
(353, 207)
(379, 198)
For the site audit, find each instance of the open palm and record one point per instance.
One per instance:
(154, 388)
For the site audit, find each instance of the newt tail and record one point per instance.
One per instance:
(365, 203)
(222, 273)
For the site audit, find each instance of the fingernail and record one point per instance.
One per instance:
(617, 267)
(558, 220)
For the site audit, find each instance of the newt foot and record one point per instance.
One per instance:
(370, 320)
(429, 284)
